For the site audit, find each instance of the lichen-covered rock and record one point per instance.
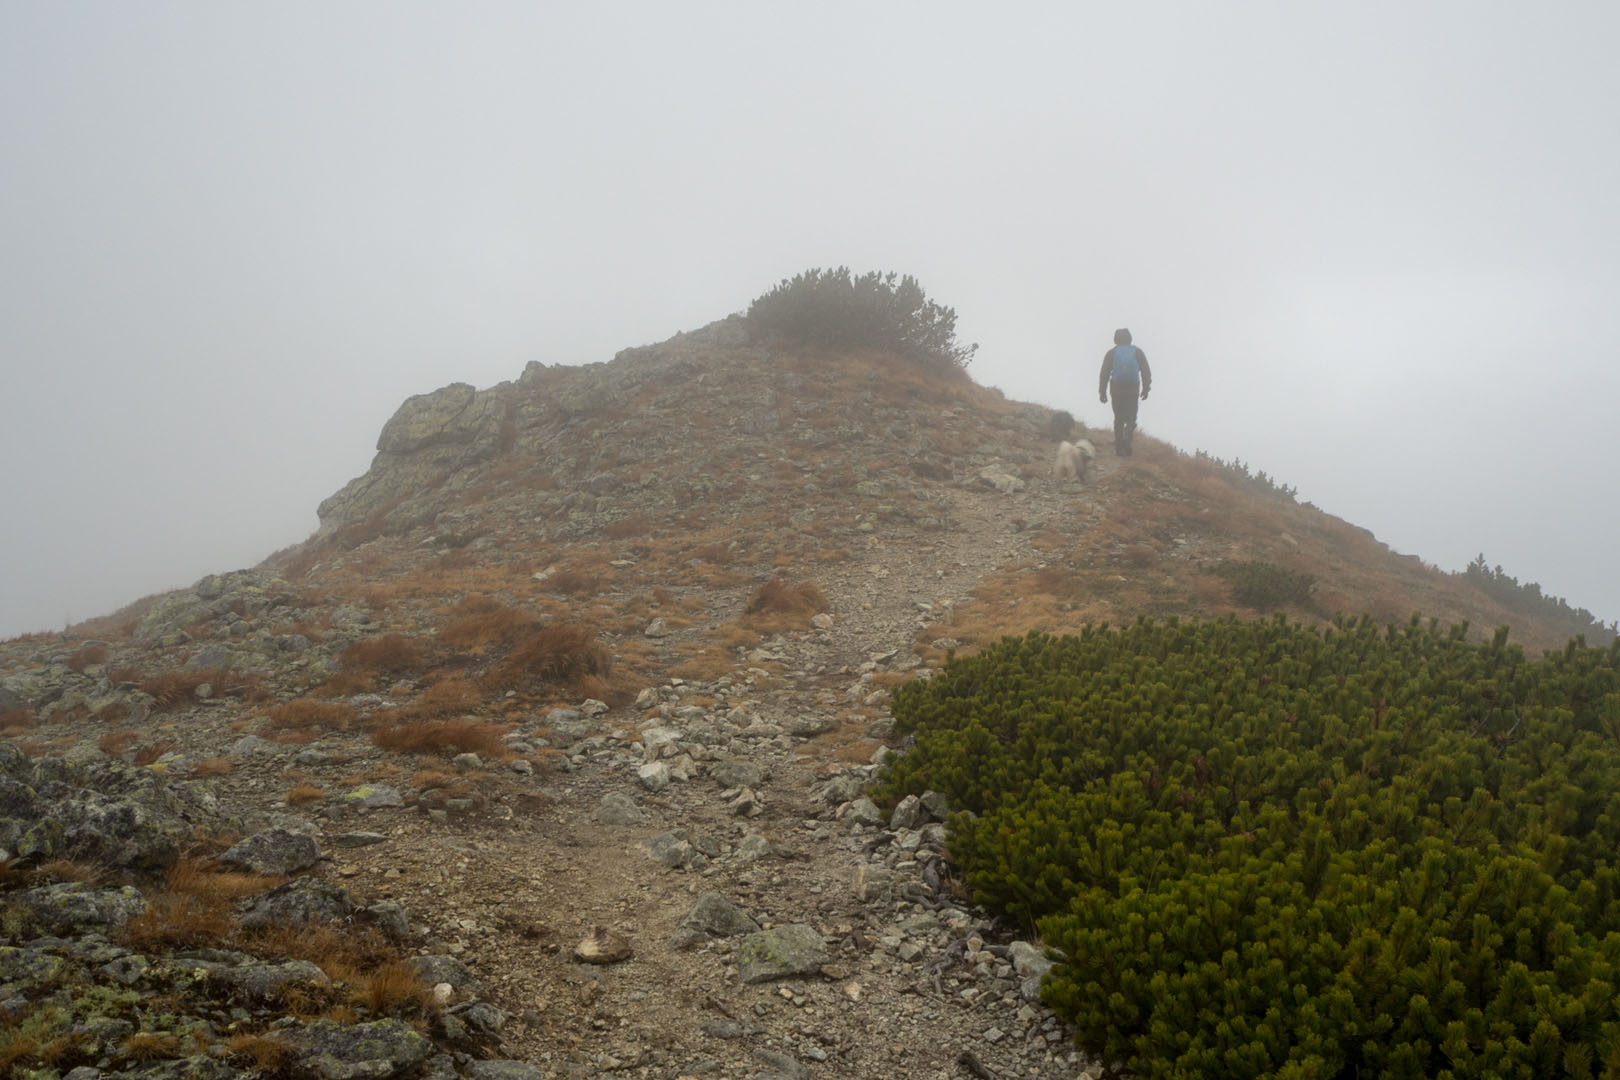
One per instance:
(26, 968)
(99, 811)
(795, 949)
(617, 808)
(259, 984)
(434, 968)
(376, 1051)
(736, 774)
(196, 1067)
(275, 852)
(298, 903)
(73, 906)
(711, 917)
(502, 1069)
(373, 797)
(216, 598)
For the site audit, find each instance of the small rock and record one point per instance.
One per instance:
(617, 808)
(863, 811)
(712, 916)
(654, 776)
(811, 724)
(373, 797)
(736, 774)
(502, 1069)
(357, 839)
(435, 968)
(908, 813)
(753, 846)
(602, 946)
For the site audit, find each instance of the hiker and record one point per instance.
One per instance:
(1125, 368)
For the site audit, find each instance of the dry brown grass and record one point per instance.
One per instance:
(624, 528)
(447, 697)
(573, 582)
(194, 908)
(17, 721)
(214, 766)
(307, 714)
(705, 665)
(429, 779)
(86, 655)
(561, 652)
(118, 743)
(265, 1053)
(391, 987)
(478, 630)
(444, 737)
(149, 753)
(303, 793)
(179, 921)
(67, 870)
(717, 554)
(1141, 555)
(126, 674)
(369, 660)
(172, 689)
(150, 1046)
(389, 654)
(777, 606)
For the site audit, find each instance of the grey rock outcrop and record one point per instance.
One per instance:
(274, 853)
(103, 811)
(375, 1051)
(431, 437)
(72, 906)
(299, 902)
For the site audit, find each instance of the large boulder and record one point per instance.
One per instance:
(99, 811)
(431, 437)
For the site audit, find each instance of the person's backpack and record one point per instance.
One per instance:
(1127, 366)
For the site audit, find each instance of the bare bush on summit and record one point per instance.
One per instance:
(834, 309)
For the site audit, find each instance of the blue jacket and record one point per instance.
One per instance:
(1107, 374)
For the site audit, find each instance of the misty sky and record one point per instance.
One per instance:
(1372, 248)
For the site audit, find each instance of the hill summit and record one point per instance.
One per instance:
(567, 710)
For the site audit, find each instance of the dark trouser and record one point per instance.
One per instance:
(1125, 393)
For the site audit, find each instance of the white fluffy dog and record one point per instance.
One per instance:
(1072, 458)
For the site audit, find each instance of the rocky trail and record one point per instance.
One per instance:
(731, 800)
(762, 918)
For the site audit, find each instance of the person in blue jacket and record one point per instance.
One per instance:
(1125, 369)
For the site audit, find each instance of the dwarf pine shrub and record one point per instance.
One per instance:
(1266, 850)
(1266, 586)
(836, 310)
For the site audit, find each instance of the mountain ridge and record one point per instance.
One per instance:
(582, 647)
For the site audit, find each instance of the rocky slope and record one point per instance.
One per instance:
(572, 699)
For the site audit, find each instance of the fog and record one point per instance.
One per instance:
(1373, 250)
